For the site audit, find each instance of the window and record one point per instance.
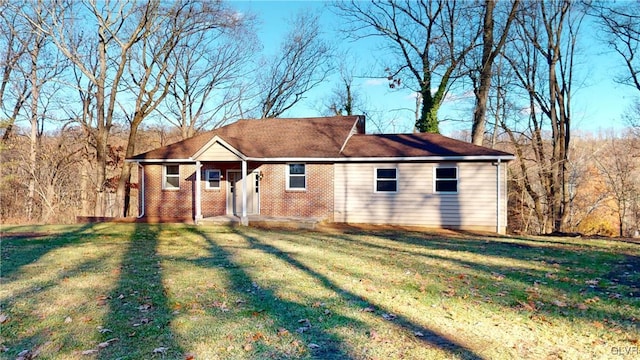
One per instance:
(296, 177)
(387, 180)
(212, 177)
(446, 180)
(171, 178)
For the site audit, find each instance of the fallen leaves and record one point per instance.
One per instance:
(102, 300)
(222, 306)
(142, 321)
(104, 344)
(497, 276)
(257, 336)
(101, 345)
(528, 306)
(306, 325)
(450, 292)
(592, 300)
(592, 282)
(102, 330)
(389, 316)
(160, 350)
(26, 355)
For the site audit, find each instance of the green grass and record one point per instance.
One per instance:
(134, 291)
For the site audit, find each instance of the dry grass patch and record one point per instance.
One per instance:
(134, 291)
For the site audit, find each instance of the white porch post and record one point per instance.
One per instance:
(198, 205)
(244, 220)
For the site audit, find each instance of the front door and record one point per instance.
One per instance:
(235, 193)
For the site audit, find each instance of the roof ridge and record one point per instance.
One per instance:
(354, 131)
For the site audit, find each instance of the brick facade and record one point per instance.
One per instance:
(315, 201)
(275, 200)
(169, 203)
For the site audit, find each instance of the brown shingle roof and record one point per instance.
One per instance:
(321, 137)
(413, 145)
(318, 138)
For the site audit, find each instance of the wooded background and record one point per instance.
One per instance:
(86, 84)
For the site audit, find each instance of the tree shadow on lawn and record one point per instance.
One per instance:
(20, 249)
(139, 315)
(569, 273)
(430, 337)
(285, 314)
(43, 338)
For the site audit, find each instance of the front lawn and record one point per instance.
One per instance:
(138, 291)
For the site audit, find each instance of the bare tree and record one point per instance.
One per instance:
(482, 76)
(30, 68)
(109, 43)
(621, 171)
(632, 117)
(429, 39)
(621, 24)
(211, 68)
(151, 70)
(542, 59)
(344, 98)
(303, 62)
(14, 89)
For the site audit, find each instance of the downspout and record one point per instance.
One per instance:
(498, 214)
(141, 212)
(198, 194)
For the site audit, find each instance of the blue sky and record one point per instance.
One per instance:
(598, 104)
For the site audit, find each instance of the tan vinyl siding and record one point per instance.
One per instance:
(217, 152)
(415, 203)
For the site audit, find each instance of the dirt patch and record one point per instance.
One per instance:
(23, 235)
(126, 220)
(425, 231)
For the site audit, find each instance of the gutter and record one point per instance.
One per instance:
(347, 160)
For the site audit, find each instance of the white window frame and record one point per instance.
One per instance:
(376, 179)
(165, 184)
(436, 179)
(206, 179)
(288, 176)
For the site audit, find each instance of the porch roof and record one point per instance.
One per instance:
(268, 138)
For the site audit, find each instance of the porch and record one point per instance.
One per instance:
(288, 222)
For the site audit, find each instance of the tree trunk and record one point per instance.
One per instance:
(33, 140)
(123, 199)
(482, 93)
(428, 121)
(84, 189)
(101, 171)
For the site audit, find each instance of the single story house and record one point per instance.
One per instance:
(329, 169)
